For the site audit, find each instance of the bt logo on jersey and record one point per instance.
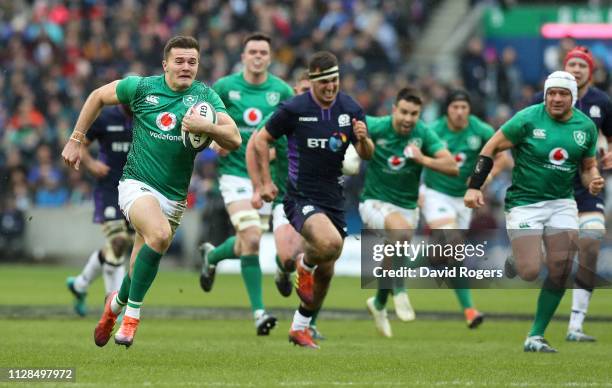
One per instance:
(316, 143)
(334, 143)
(337, 140)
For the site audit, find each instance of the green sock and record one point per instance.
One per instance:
(381, 298)
(419, 261)
(399, 283)
(251, 275)
(313, 319)
(145, 270)
(548, 301)
(464, 295)
(461, 286)
(279, 265)
(124, 291)
(223, 251)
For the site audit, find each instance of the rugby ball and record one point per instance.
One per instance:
(350, 165)
(199, 141)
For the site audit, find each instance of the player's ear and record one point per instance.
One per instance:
(164, 65)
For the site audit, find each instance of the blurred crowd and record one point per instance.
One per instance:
(54, 52)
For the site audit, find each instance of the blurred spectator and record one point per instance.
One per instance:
(51, 193)
(54, 53)
(553, 55)
(12, 230)
(509, 78)
(474, 68)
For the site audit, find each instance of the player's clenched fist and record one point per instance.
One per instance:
(360, 130)
(473, 198)
(72, 152)
(268, 192)
(596, 185)
(195, 123)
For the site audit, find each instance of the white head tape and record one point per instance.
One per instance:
(562, 79)
(324, 74)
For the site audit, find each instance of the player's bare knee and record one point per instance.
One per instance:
(592, 229)
(119, 245)
(159, 238)
(528, 272)
(249, 240)
(330, 248)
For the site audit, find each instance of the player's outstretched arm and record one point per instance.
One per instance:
(104, 95)
(262, 142)
(591, 178)
(473, 197)
(225, 132)
(253, 170)
(364, 145)
(442, 161)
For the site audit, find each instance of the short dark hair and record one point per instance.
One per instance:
(181, 41)
(457, 95)
(257, 36)
(322, 60)
(409, 94)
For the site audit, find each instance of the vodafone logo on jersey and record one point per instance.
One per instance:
(252, 116)
(460, 159)
(558, 156)
(396, 162)
(166, 121)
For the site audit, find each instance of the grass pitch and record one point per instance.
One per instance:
(435, 350)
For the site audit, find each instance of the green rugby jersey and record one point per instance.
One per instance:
(157, 156)
(547, 154)
(247, 104)
(391, 176)
(465, 145)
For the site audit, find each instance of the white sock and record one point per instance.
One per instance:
(580, 305)
(115, 306)
(300, 322)
(113, 277)
(307, 267)
(90, 272)
(258, 313)
(132, 312)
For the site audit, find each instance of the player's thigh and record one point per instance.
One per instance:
(373, 214)
(148, 211)
(438, 210)
(560, 249)
(322, 236)
(525, 228)
(247, 223)
(243, 215)
(400, 225)
(561, 236)
(464, 216)
(235, 189)
(148, 219)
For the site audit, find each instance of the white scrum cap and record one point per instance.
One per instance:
(562, 79)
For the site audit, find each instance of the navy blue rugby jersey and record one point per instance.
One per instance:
(113, 131)
(317, 139)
